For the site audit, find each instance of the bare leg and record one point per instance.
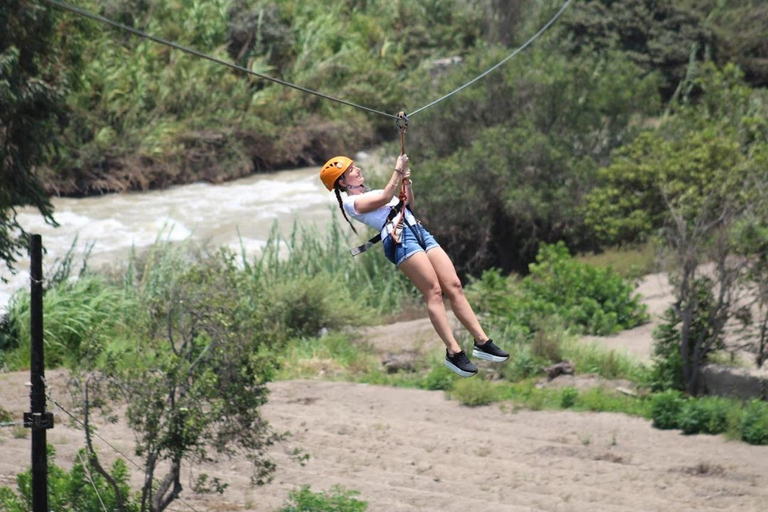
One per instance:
(451, 286)
(419, 270)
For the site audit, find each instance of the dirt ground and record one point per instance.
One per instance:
(413, 450)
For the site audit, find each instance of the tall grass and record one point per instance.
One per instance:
(629, 262)
(298, 285)
(372, 281)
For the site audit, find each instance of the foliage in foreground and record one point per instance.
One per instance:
(32, 97)
(82, 488)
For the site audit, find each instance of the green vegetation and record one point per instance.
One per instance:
(631, 123)
(629, 262)
(710, 415)
(33, 90)
(582, 297)
(80, 488)
(338, 499)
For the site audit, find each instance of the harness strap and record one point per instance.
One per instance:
(367, 245)
(399, 210)
(392, 214)
(376, 239)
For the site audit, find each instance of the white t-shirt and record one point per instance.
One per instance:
(376, 218)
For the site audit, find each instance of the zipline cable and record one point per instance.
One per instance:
(87, 14)
(196, 53)
(505, 59)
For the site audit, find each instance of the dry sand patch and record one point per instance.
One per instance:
(414, 450)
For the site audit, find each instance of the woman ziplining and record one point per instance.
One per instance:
(413, 250)
(406, 242)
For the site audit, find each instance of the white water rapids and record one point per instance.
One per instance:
(224, 215)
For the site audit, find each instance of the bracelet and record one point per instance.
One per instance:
(399, 172)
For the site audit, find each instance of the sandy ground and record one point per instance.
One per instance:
(413, 450)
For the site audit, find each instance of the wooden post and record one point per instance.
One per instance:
(38, 419)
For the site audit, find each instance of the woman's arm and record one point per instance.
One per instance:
(370, 202)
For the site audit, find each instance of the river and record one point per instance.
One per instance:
(224, 215)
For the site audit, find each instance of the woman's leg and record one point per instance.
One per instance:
(451, 287)
(419, 269)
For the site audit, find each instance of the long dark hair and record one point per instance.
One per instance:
(337, 190)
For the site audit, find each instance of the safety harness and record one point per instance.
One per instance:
(396, 213)
(393, 212)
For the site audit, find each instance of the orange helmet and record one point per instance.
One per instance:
(334, 168)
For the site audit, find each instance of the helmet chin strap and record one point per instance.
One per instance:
(355, 186)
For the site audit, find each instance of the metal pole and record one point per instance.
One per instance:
(38, 419)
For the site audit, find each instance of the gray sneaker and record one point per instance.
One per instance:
(460, 364)
(489, 352)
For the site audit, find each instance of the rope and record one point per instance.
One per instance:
(504, 60)
(196, 53)
(398, 231)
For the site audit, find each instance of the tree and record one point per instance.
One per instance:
(33, 86)
(193, 379)
(512, 160)
(697, 183)
(703, 305)
(629, 205)
(656, 35)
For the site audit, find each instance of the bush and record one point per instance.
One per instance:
(521, 366)
(666, 408)
(667, 371)
(474, 392)
(754, 423)
(82, 488)
(591, 300)
(704, 416)
(338, 499)
(568, 398)
(438, 378)
(598, 300)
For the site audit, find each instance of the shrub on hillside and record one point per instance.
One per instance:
(474, 392)
(754, 423)
(667, 371)
(438, 378)
(568, 397)
(592, 300)
(338, 499)
(303, 306)
(665, 409)
(704, 416)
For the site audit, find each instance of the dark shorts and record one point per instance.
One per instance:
(409, 245)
